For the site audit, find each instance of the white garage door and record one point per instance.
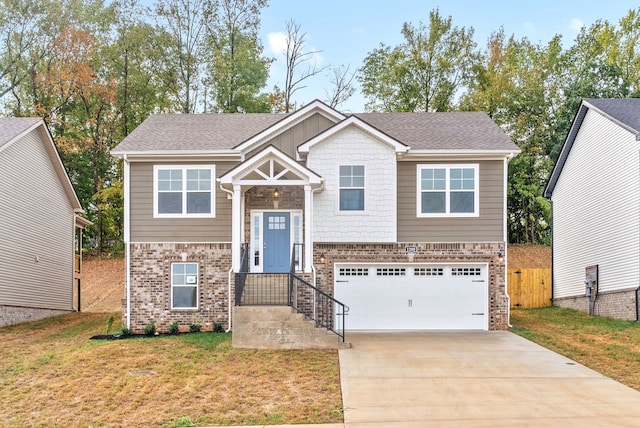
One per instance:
(413, 297)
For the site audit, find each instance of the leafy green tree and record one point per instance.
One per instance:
(237, 71)
(185, 21)
(422, 74)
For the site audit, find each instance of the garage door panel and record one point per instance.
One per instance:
(422, 297)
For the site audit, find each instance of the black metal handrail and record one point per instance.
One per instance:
(241, 277)
(317, 305)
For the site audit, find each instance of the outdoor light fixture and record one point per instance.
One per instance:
(276, 193)
(501, 257)
(322, 258)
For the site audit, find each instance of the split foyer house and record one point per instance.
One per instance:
(595, 194)
(400, 216)
(40, 225)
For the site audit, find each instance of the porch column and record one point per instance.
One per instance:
(236, 226)
(308, 226)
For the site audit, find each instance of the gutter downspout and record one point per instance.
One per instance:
(229, 306)
(637, 308)
(127, 237)
(506, 237)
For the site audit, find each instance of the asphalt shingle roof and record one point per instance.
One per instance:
(10, 127)
(419, 131)
(441, 131)
(196, 131)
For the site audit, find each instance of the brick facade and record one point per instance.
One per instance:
(10, 315)
(615, 304)
(151, 285)
(426, 253)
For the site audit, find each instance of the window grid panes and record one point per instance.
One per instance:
(184, 191)
(184, 285)
(447, 190)
(352, 188)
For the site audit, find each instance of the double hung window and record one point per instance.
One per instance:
(181, 191)
(351, 187)
(184, 285)
(447, 190)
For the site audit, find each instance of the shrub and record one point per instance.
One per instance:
(195, 327)
(125, 331)
(150, 329)
(174, 328)
(110, 321)
(217, 328)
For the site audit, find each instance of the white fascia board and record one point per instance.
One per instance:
(178, 155)
(360, 124)
(460, 154)
(291, 120)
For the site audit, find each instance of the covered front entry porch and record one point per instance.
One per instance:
(272, 206)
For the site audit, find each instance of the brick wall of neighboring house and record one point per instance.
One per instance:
(426, 253)
(151, 285)
(615, 304)
(10, 315)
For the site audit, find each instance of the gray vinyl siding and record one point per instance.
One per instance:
(145, 228)
(36, 229)
(289, 140)
(596, 214)
(487, 227)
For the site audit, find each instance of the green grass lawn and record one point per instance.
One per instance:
(606, 345)
(52, 375)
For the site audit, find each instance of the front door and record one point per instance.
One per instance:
(277, 240)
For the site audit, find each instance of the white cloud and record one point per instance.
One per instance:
(576, 25)
(277, 43)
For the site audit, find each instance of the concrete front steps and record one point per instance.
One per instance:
(279, 327)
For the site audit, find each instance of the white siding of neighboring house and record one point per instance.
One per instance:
(378, 222)
(36, 221)
(596, 210)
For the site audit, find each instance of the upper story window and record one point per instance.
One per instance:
(351, 187)
(448, 190)
(183, 191)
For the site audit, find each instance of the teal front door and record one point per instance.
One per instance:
(277, 240)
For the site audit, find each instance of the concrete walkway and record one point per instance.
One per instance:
(474, 379)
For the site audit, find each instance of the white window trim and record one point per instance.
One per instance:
(366, 190)
(252, 246)
(448, 168)
(197, 285)
(184, 169)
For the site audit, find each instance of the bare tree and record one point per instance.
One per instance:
(341, 85)
(296, 58)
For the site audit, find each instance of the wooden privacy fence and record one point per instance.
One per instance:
(529, 288)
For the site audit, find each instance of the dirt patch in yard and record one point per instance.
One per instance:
(102, 285)
(525, 256)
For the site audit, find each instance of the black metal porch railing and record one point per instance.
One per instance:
(288, 289)
(317, 305)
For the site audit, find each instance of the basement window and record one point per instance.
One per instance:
(184, 286)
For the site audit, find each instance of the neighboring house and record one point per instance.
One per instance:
(595, 194)
(401, 216)
(39, 225)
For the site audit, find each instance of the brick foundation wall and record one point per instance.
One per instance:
(151, 285)
(426, 253)
(615, 304)
(10, 315)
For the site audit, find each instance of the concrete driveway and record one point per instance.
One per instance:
(475, 379)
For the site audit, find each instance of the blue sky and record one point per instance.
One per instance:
(346, 30)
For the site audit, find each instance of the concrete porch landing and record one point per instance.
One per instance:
(279, 327)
